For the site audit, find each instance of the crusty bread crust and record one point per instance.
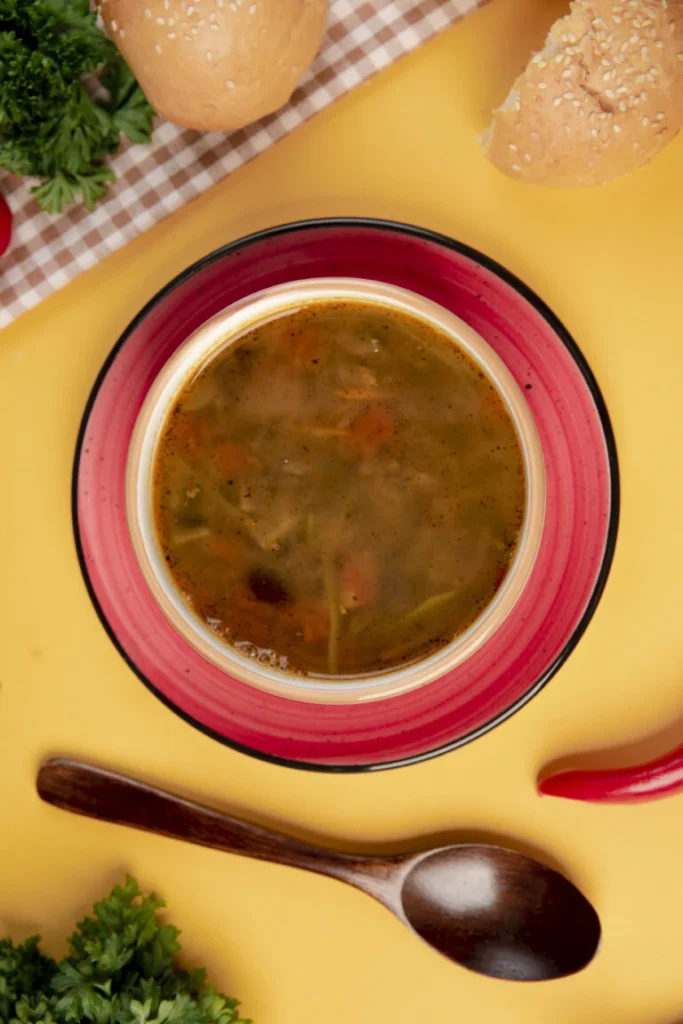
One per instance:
(604, 96)
(215, 65)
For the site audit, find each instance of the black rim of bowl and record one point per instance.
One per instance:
(423, 234)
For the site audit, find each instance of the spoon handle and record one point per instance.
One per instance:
(107, 796)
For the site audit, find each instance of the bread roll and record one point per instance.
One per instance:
(603, 97)
(215, 65)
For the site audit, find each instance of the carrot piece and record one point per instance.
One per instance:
(235, 460)
(316, 624)
(192, 432)
(228, 550)
(359, 580)
(308, 349)
(310, 619)
(372, 430)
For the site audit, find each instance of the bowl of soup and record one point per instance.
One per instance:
(335, 490)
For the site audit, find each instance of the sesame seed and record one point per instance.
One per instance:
(160, 21)
(542, 85)
(607, 75)
(216, 28)
(636, 145)
(634, 39)
(569, 95)
(233, 7)
(171, 21)
(660, 116)
(679, 56)
(616, 19)
(516, 167)
(220, 4)
(212, 17)
(230, 84)
(148, 13)
(644, 53)
(209, 55)
(590, 163)
(559, 59)
(114, 26)
(512, 147)
(621, 90)
(575, 103)
(616, 128)
(122, 33)
(188, 38)
(167, 5)
(194, 31)
(534, 135)
(567, 74)
(594, 132)
(646, 121)
(659, 44)
(609, 93)
(557, 101)
(157, 48)
(189, 10)
(527, 158)
(622, 107)
(605, 63)
(202, 22)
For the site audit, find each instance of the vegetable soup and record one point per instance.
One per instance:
(340, 491)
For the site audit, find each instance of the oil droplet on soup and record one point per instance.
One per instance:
(339, 492)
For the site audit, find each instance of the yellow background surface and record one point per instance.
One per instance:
(298, 949)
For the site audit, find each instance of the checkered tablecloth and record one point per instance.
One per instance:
(363, 36)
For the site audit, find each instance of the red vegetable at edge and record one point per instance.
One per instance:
(635, 784)
(5, 225)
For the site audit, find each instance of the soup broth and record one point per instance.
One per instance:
(339, 492)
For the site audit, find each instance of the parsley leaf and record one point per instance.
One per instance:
(120, 969)
(66, 98)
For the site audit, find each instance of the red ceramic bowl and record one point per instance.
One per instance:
(576, 547)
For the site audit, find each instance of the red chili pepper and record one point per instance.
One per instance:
(651, 781)
(5, 225)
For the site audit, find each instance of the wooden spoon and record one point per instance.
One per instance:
(490, 909)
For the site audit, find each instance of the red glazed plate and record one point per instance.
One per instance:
(578, 537)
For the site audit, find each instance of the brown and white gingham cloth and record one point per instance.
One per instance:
(363, 36)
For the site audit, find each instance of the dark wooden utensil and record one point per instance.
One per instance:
(490, 909)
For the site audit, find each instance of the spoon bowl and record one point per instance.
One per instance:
(487, 908)
(500, 913)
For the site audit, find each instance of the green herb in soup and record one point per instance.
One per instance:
(340, 492)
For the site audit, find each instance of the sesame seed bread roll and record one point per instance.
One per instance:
(602, 98)
(215, 65)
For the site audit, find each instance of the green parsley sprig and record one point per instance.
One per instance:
(120, 969)
(66, 97)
